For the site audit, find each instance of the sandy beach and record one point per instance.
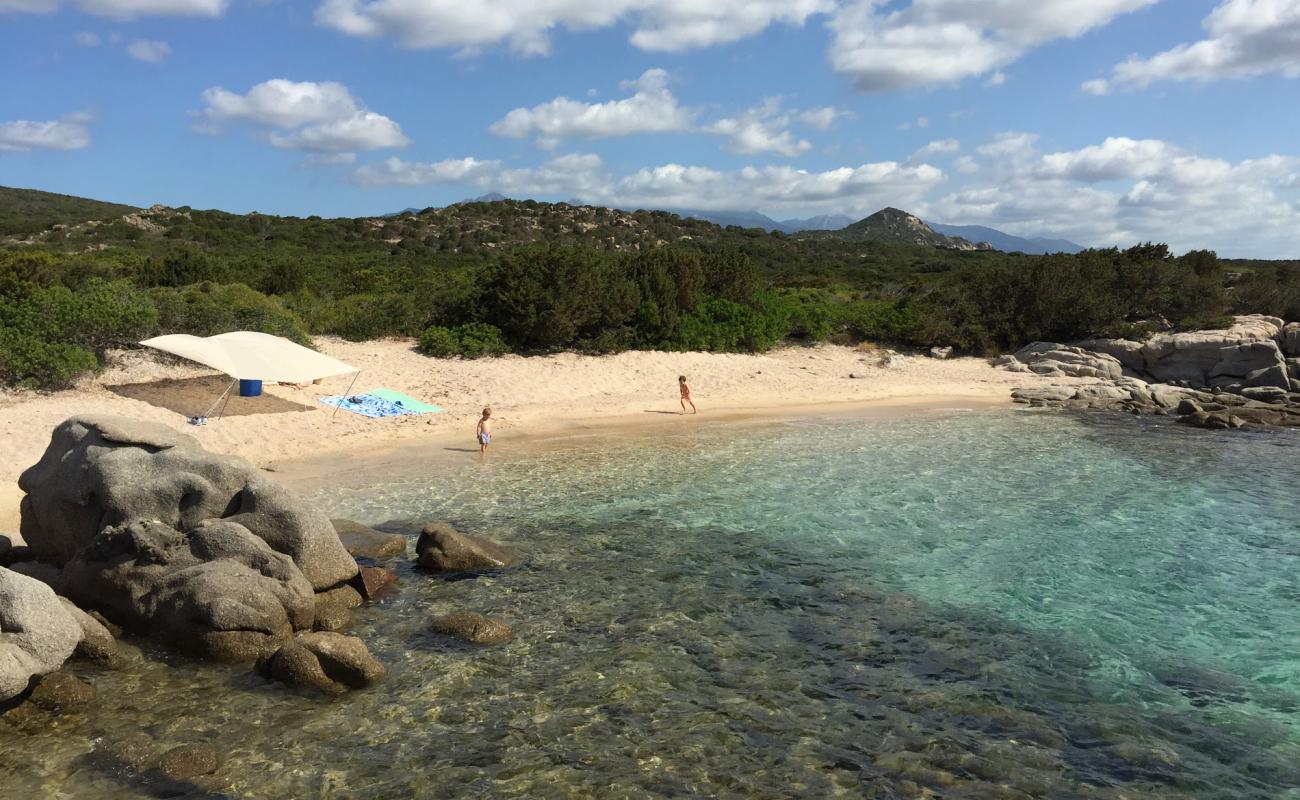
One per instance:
(529, 395)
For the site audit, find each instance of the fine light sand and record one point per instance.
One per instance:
(528, 395)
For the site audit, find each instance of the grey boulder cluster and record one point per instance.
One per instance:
(140, 524)
(1248, 374)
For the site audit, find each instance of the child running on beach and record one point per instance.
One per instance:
(686, 394)
(484, 431)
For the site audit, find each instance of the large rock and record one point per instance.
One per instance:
(444, 549)
(37, 634)
(217, 591)
(103, 471)
(329, 662)
(1289, 340)
(368, 543)
(1128, 353)
(1215, 358)
(97, 642)
(1062, 361)
(191, 547)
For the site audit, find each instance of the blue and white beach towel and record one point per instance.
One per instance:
(367, 405)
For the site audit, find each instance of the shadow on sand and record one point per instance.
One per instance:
(193, 396)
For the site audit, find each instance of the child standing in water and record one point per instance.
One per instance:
(686, 394)
(484, 431)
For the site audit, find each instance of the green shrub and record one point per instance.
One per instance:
(472, 340)
(29, 362)
(478, 339)
(439, 342)
(210, 308)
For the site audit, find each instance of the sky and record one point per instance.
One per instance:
(1107, 122)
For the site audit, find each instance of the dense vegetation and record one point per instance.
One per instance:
(485, 278)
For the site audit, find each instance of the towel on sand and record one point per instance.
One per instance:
(366, 405)
(405, 401)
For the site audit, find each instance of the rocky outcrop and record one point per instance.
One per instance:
(444, 549)
(473, 628)
(1241, 374)
(37, 634)
(1193, 407)
(328, 662)
(1127, 352)
(1063, 361)
(368, 543)
(1244, 355)
(194, 548)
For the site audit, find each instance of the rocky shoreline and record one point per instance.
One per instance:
(133, 529)
(1247, 375)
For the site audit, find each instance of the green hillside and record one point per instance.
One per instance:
(26, 212)
(523, 276)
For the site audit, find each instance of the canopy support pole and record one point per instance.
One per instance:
(346, 394)
(224, 396)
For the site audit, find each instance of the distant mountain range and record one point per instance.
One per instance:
(888, 224)
(972, 234)
(1006, 242)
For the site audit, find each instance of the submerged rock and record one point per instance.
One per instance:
(472, 627)
(363, 542)
(444, 549)
(329, 662)
(189, 761)
(61, 692)
(37, 634)
(197, 549)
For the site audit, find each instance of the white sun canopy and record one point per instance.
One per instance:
(249, 355)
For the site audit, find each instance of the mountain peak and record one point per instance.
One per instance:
(900, 227)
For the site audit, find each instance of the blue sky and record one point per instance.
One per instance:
(1103, 121)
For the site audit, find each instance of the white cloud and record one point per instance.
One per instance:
(1123, 191)
(148, 50)
(882, 47)
(651, 109)
(364, 130)
(313, 117)
(762, 129)
(936, 148)
(396, 172)
(123, 9)
(1246, 38)
(1098, 86)
(776, 188)
(822, 118)
(69, 133)
(86, 38)
(526, 25)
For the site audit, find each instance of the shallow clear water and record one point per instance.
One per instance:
(991, 604)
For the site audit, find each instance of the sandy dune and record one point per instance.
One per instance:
(527, 394)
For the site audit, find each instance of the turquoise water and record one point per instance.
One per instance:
(990, 604)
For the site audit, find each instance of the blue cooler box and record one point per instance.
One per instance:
(249, 388)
